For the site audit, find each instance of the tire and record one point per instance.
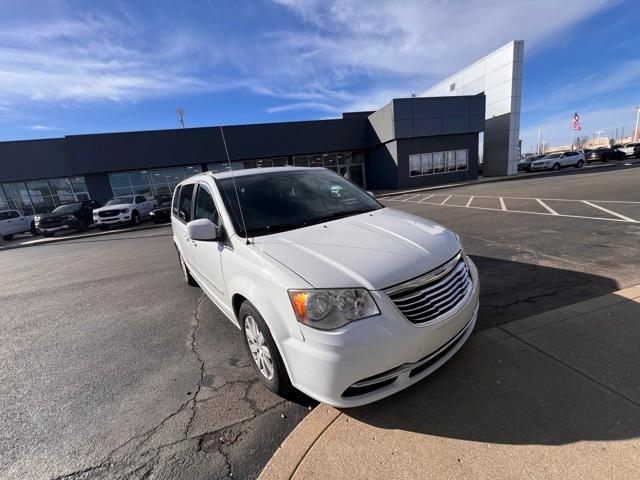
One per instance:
(33, 230)
(579, 164)
(556, 167)
(257, 334)
(81, 226)
(6, 238)
(104, 228)
(135, 218)
(188, 278)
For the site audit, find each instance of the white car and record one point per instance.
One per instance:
(13, 222)
(630, 149)
(336, 295)
(124, 209)
(556, 161)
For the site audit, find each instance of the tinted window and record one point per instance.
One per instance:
(4, 215)
(176, 199)
(69, 207)
(186, 199)
(13, 214)
(205, 207)
(280, 201)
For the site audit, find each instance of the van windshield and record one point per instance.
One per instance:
(280, 201)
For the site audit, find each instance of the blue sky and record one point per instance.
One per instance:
(86, 66)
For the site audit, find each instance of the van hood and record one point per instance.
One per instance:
(373, 250)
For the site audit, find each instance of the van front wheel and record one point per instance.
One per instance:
(263, 351)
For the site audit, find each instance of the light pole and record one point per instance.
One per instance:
(635, 132)
(598, 140)
(539, 139)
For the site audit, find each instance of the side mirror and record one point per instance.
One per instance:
(370, 193)
(203, 229)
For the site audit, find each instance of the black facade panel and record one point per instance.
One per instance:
(276, 139)
(99, 187)
(381, 167)
(24, 159)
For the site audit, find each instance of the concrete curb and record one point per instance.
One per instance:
(46, 241)
(289, 456)
(499, 179)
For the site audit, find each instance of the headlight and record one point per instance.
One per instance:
(70, 217)
(36, 218)
(124, 210)
(331, 309)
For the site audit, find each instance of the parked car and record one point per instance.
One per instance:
(68, 216)
(162, 213)
(524, 165)
(631, 149)
(335, 295)
(125, 209)
(558, 160)
(12, 222)
(603, 154)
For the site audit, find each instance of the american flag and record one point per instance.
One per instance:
(576, 121)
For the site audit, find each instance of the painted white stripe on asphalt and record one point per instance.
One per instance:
(558, 199)
(553, 212)
(502, 205)
(445, 200)
(410, 197)
(469, 202)
(425, 198)
(610, 212)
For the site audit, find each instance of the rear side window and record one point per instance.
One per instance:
(186, 199)
(13, 214)
(176, 198)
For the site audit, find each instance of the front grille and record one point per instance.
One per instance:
(108, 213)
(435, 294)
(51, 220)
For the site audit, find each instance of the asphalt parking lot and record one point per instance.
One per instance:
(112, 367)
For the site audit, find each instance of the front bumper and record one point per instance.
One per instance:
(386, 351)
(55, 228)
(117, 219)
(540, 167)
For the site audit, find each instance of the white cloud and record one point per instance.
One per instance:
(323, 107)
(42, 128)
(95, 58)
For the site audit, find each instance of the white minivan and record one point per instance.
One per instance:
(335, 294)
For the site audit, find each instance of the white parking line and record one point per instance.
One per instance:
(410, 197)
(425, 198)
(551, 210)
(609, 211)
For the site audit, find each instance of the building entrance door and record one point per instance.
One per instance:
(355, 173)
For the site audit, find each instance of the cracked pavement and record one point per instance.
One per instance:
(111, 367)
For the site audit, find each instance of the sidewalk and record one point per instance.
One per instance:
(556, 396)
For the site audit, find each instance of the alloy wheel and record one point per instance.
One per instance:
(258, 347)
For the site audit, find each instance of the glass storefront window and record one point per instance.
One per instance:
(451, 161)
(62, 190)
(427, 163)
(151, 183)
(438, 162)
(42, 196)
(415, 167)
(461, 159)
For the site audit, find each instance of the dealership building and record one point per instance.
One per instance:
(411, 142)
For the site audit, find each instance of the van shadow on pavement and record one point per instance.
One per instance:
(513, 290)
(556, 383)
